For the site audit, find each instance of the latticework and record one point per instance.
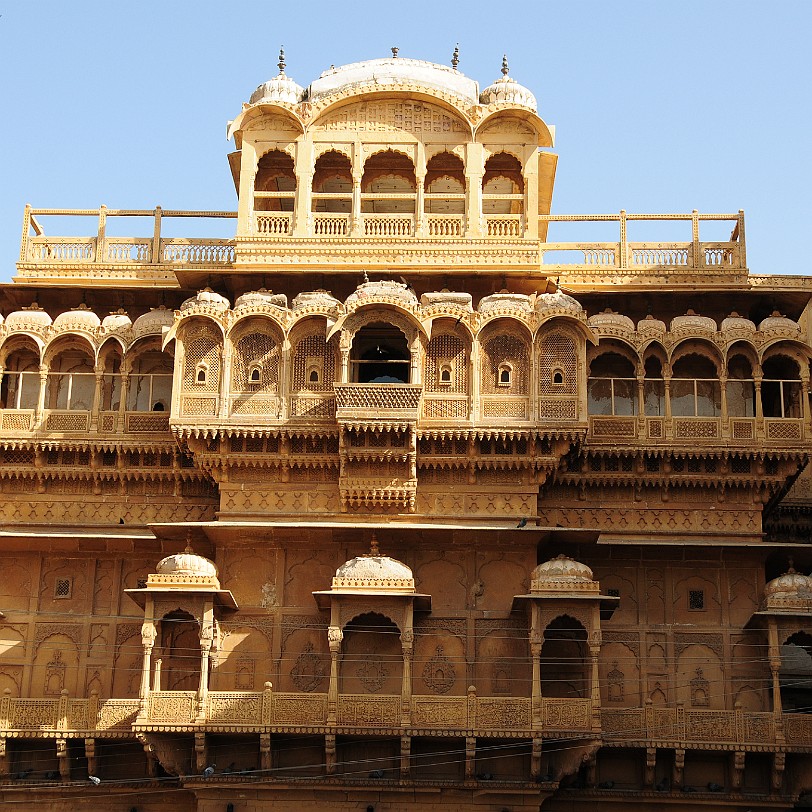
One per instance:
(446, 351)
(313, 353)
(255, 353)
(504, 350)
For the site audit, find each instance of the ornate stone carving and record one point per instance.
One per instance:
(309, 670)
(439, 673)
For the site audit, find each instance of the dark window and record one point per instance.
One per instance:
(696, 599)
(63, 588)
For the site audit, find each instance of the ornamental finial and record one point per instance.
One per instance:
(395, 52)
(281, 64)
(188, 542)
(791, 565)
(374, 550)
(455, 57)
(505, 68)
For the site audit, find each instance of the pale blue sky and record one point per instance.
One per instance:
(659, 106)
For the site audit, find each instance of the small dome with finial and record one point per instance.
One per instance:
(185, 569)
(455, 57)
(374, 572)
(508, 91)
(563, 574)
(792, 590)
(279, 89)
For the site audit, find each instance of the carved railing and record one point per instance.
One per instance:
(445, 225)
(661, 726)
(331, 224)
(313, 407)
(378, 401)
(446, 407)
(737, 431)
(197, 252)
(503, 225)
(504, 407)
(389, 225)
(278, 224)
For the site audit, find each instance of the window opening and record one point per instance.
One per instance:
(696, 599)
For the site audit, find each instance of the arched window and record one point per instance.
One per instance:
(201, 374)
(564, 658)
(275, 182)
(505, 375)
(781, 387)
(654, 387)
(71, 381)
(503, 195)
(380, 354)
(612, 386)
(741, 393)
(445, 185)
(20, 388)
(695, 389)
(151, 382)
(389, 187)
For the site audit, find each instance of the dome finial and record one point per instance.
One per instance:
(374, 549)
(281, 64)
(395, 50)
(505, 68)
(791, 562)
(455, 57)
(188, 542)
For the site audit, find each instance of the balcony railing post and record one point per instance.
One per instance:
(698, 254)
(624, 242)
(742, 244)
(26, 229)
(156, 237)
(100, 237)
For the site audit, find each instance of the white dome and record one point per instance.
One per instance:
(117, 320)
(394, 73)
(611, 319)
(736, 322)
(649, 323)
(279, 89)
(777, 321)
(508, 91)
(504, 300)
(317, 298)
(791, 584)
(186, 563)
(152, 323)
(261, 297)
(384, 289)
(561, 575)
(33, 316)
(374, 573)
(693, 321)
(207, 298)
(82, 318)
(557, 301)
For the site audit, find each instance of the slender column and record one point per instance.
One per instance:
(474, 171)
(536, 700)
(669, 428)
(805, 416)
(759, 407)
(304, 190)
(125, 395)
(206, 638)
(101, 238)
(723, 392)
(775, 667)
(225, 379)
(356, 221)
(97, 395)
(624, 243)
(334, 638)
(420, 207)
(595, 639)
(698, 257)
(407, 646)
(156, 237)
(531, 195)
(43, 386)
(148, 635)
(248, 172)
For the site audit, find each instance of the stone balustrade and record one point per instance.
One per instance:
(252, 711)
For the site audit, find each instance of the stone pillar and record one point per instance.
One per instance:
(536, 642)
(225, 379)
(43, 386)
(330, 753)
(531, 195)
(421, 227)
(64, 759)
(356, 220)
(248, 172)
(407, 647)
(405, 756)
(775, 667)
(302, 216)
(148, 635)
(334, 638)
(474, 172)
(206, 639)
(125, 394)
(97, 396)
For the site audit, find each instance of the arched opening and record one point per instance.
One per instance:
(503, 195)
(781, 387)
(741, 392)
(150, 383)
(71, 381)
(564, 658)
(179, 652)
(612, 385)
(332, 183)
(653, 387)
(796, 673)
(389, 188)
(20, 387)
(505, 365)
(695, 389)
(275, 182)
(372, 656)
(110, 359)
(445, 185)
(446, 364)
(380, 354)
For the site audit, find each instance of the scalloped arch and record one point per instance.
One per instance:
(253, 114)
(72, 340)
(10, 342)
(692, 345)
(242, 324)
(486, 326)
(545, 134)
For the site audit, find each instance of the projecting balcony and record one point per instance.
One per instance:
(250, 711)
(370, 404)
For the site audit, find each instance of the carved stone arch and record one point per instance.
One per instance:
(787, 349)
(581, 615)
(536, 125)
(350, 612)
(141, 346)
(618, 346)
(447, 360)
(491, 151)
(406, 150)
(745, 349)
(202, 340)
(286, 147)
(70, 342)
(313, 359)
(564, 656)
(519, 321)
(653, 348)
(506, 345)
(388, 314)
(260, 322)
(322, 148)
(697, 346)
(372, 658)
(21, 342)
(111, 346)
(458, 150)
(266, 117)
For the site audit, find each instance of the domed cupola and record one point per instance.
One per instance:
(29, 318)
(206, 299)
(508, 91)
(184, 569)
(77, 318)
(153, 322)
(791, 592)
(279, 89)
(374, 572)
(563, 575)
(116, 320)
(260, 298)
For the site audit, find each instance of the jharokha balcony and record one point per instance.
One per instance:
(346, 241)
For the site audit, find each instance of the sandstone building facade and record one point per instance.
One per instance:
(391, 501)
